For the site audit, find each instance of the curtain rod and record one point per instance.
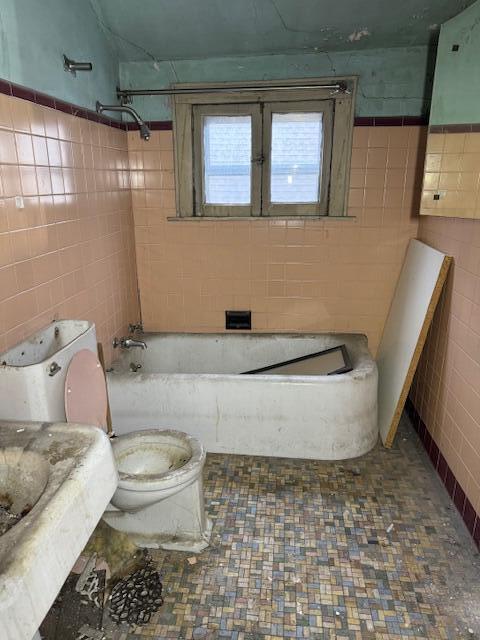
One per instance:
(126, 93)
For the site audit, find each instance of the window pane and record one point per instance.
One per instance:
(296, 157)
(227, 145)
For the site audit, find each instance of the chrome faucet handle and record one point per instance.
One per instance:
(127, 343)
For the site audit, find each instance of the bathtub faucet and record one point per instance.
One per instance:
(128, 343)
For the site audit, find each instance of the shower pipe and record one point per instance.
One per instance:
(144, 130)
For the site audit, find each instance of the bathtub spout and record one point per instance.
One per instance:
(128, 343)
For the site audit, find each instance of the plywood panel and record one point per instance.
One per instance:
(416, 295)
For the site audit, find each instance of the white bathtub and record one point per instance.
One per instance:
(192, 382)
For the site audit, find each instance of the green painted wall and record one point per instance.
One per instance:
(456, 91)
(34, 34)
(393, 81)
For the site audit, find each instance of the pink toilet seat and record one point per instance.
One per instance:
(86, 390)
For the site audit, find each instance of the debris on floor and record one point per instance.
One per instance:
(74, 610)
(86, 574)
(88, 633)
(91, 589)
(136, 597)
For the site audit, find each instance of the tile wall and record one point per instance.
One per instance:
(66, 227)
(452, 174)
(295, 275)
(446, 390)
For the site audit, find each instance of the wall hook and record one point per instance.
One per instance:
(73, 67)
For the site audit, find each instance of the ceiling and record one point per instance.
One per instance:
(176, 29)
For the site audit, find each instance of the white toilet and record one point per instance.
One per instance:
(159, 499)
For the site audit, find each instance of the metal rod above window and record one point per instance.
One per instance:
(126, 93)
(271, 118)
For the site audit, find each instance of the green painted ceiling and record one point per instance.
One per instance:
(176, 29)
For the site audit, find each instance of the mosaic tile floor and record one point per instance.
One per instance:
(368, 548)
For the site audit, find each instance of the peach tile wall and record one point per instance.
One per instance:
(70, 251)
(295, 275)
(452, 174)
(446, 390)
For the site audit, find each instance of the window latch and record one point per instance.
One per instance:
(259, 159)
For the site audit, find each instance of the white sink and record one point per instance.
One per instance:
(61, 476)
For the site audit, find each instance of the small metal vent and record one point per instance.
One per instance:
(240, 320)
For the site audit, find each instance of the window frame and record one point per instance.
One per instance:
(185, 105)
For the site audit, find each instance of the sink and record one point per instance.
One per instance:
(55, 481)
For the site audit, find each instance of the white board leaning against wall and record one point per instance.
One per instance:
(417, 293)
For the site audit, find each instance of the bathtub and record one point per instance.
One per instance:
(194, 382)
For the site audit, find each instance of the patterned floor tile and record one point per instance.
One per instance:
(370, 548)
(367, 548)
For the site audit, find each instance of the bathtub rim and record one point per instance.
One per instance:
(362, 359)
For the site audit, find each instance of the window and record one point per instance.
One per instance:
(227, 150)
(296, 154)
(263, 153)
(225, 158)
(297, 139)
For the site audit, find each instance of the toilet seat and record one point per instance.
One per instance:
(86, 390)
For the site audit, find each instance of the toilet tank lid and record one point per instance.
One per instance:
(86, 390)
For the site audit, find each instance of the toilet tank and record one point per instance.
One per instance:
(32, 373)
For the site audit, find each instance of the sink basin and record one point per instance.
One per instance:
(23, 478)
(55, 481)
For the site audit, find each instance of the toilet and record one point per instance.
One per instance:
(159, 500)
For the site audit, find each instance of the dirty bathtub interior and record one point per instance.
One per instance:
(194, 382)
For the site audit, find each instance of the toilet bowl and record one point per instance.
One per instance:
(153, 465)
(159, 499)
